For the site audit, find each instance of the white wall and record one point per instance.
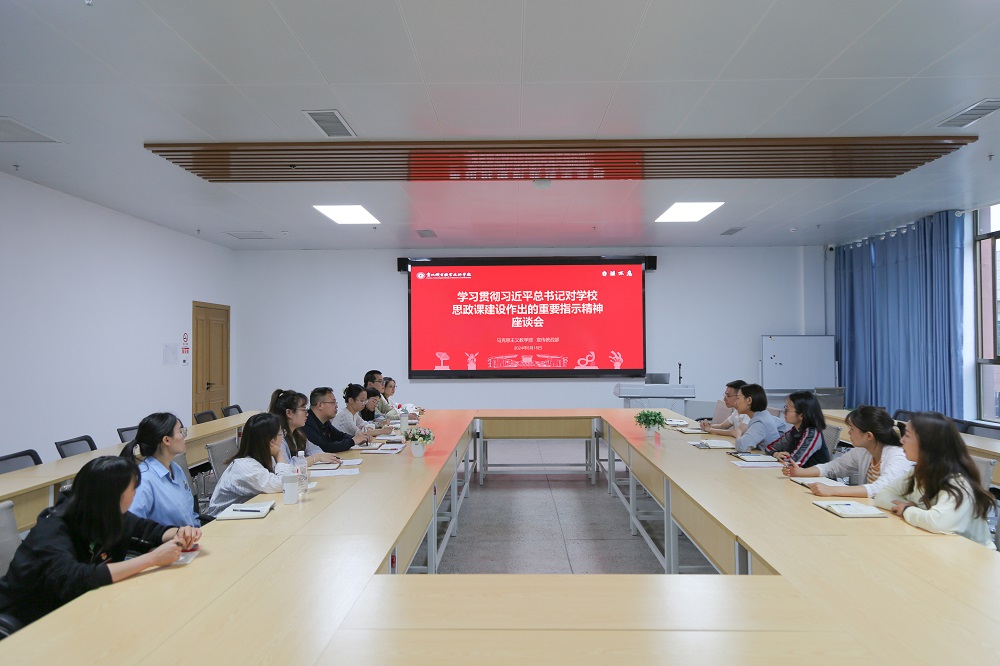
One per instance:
(706, 308)
(89, 297)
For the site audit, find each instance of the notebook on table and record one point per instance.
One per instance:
(713, 444)
(850, 509)
(754, 457)
(246, 511)
(690, 431)
(822, 480)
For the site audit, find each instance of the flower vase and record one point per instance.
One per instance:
(418, 449)
(651, 432)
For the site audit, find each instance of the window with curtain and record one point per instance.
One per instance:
(899, 316)
(987, 246)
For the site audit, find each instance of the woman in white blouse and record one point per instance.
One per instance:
(256, 468)
(876, 460)
(349, 420)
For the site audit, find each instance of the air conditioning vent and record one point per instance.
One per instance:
(426, 233)
(331, 123)
(250, 235)
(734, 230)
(12, 131)
(972, 114)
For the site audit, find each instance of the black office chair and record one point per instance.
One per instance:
(19, 460)
(232, 410)
(902, 415)
(205, 417)
(75, 446)
(127, 434)
(8, 625)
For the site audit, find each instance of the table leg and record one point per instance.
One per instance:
(632, 520)
(670, 532)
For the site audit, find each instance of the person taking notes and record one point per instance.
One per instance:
(876, 460)
(803, 443)
(763, 428)
(727, 427)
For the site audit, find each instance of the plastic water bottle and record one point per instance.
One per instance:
(302, 467)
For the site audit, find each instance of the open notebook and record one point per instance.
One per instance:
(850, 509)
(246, 511)
(713, 444)
(822, 480)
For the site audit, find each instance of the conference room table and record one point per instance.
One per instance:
(311, 583)
(34, 488)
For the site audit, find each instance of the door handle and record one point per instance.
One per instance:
(208, 385)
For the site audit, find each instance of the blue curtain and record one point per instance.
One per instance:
(899, 317)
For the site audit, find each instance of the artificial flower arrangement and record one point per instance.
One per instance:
(418, 435)
(650, 418)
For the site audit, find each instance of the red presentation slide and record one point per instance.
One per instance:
(532, 320)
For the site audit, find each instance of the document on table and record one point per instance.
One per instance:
(713, 444)
(319, 466)
(743, 463)
(690, 431)
(245, 511)
(850, 509)
(755, 458)
(676, 422)
(822, 480)
(386, 448)
(349, 471)
(391, 439)
(350, 462)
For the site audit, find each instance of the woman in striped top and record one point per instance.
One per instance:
(803, 443)
(876, 460)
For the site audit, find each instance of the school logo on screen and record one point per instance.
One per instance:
(420, 275)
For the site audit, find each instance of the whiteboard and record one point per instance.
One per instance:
(797, 361)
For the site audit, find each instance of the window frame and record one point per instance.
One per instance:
(991, 238)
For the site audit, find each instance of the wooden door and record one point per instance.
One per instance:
(210, 351)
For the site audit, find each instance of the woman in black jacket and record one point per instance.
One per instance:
(82, 543)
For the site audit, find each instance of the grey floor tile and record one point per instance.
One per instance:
(611, 556)
(516, 557)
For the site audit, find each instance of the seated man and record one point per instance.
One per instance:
(318, 428)
(375, 381)
(730, 425)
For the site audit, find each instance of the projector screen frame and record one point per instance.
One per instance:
(548, 373)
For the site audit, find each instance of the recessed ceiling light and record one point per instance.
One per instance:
(348, 214)
(688, 211)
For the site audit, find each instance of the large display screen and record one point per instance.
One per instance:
(527, 317)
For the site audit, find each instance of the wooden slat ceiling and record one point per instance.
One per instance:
(824, 157)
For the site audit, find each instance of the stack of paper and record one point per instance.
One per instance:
(850, 509)
(245, 511)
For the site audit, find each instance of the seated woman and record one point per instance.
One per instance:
(349, 419)
(292, 411)
(763, 428)
(81, 543)
(370, 411)
(387, 405)
(876, 460)
(257, 467)
(943, 493)
(803, 443)
(164, 495)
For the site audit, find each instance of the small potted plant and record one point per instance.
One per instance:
(650, 419)
(419, 439)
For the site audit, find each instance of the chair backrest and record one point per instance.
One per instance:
(75, 446)
(205, 416)
(10, 539)
(232, 410)
(721, 412)
(19, 460)
(902, 415)
(182, 461)
(979, 430)
(776, 412)
(127, 434)
(985, 468)
(830, 397)
(220, 453)
(831, 436)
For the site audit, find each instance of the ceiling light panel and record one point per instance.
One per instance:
(348, 214)
(688, 211)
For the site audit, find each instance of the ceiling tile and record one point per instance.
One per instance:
(246, 41)
(222, 112)
(577, 40)
(354, 42)
(477, 111)
(737, 108)
(650, 109)
(473, 41)
(823, 105)
(390, 111)
(284, 106)
(798, 38)
(564, 110)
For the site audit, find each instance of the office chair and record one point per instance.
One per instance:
(127, 434)
(831, 437)
(10, 538)
(985, 468)
(75, 446)
(19, 460)
(902, 415)
(205, 416)
(232, 410)
(220, 453)
(978, 429)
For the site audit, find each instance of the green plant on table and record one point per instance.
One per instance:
(650, 418)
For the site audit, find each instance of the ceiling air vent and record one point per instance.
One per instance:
(331, 123)
(972, 114)
(734, 230)
(426, 233)
(12, 131)
(250, 235)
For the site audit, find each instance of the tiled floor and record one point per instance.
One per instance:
(549, 524)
